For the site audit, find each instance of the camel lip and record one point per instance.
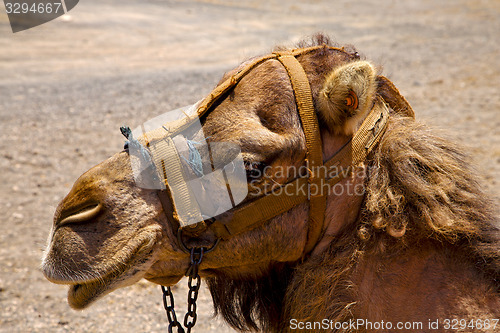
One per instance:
(53, 276)
(73, 282)
(81, 295)
(83, 292)
(54, 280)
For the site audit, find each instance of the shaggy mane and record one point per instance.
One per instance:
(419, 188)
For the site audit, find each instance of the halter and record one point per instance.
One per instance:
(252, 214)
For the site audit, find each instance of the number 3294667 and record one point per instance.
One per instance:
(455, 324)
(35, 8)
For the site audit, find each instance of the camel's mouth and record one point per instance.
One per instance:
(84, 291)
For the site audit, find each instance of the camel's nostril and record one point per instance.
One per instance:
(83, 214)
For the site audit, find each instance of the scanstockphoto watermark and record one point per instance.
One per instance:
(382, 325)
(26, 14)
(355, 324)
(264, 181)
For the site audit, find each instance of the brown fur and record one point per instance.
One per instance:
(421, 192)
(419, 244)
(357, 78)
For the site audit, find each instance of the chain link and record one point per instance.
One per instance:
(168, 304)
(168, 298)
(191, 316)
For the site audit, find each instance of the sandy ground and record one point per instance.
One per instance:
(67, 86)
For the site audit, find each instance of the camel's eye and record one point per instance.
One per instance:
(254, 170)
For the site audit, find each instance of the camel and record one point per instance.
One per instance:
(416, 247)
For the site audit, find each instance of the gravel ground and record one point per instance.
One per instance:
(67, 86)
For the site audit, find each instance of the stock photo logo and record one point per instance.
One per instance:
(26, 14)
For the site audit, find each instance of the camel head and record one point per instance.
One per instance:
(108, 232)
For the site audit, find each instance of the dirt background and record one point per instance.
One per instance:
(67, 86)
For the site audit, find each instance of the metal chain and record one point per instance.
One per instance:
(168, 298)
(168, 304)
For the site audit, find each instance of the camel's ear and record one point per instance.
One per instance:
(347, 96)
(391, 95)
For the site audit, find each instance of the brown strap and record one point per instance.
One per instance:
(314, 153)
(363, 141)
(233, 80)
(227, 85)
(250, 215)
